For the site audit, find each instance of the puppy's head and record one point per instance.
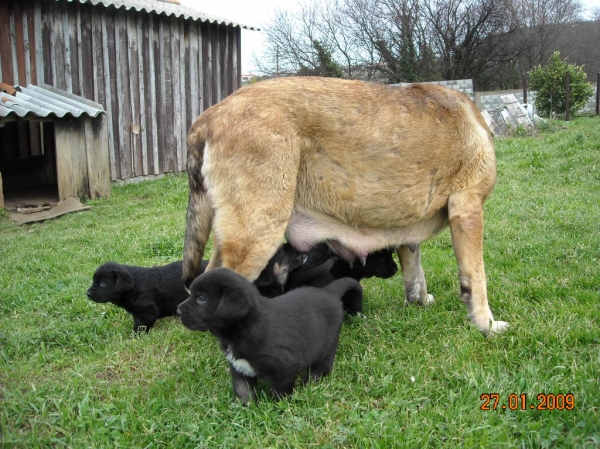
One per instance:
(111, 283)
(381, 264)
(285, 260)
(218, 300)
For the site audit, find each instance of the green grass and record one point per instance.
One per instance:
(73, 375)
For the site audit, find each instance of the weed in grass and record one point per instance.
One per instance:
(73, 375)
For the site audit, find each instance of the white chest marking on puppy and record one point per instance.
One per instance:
(241, 365)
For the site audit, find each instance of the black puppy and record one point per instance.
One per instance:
(273, 339)
(378, 264)
(146, 293)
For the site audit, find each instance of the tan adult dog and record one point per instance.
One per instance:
(361, 166)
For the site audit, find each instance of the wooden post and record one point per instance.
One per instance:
(598, 93)
(524, 78)
(567, 95)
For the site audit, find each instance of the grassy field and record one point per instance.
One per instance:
(73, 375)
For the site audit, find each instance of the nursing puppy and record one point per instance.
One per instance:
(361, 166)
(290, 269)
(146, 293)
(273, 278)
(377, 264)
(273, 339)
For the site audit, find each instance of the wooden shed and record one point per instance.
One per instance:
(68, 158)
(154, 66)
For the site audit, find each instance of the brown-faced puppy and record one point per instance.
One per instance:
(273, 339)
(146, 293)
(273, 278)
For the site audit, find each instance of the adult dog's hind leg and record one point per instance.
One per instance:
(413, 276)
(465, 212)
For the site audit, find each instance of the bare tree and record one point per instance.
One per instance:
(542, 23)
(491, 41)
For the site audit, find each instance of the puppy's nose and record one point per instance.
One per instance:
(89, 293)
(179, 312)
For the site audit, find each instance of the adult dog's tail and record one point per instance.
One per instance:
(199, 213)
(350, 292)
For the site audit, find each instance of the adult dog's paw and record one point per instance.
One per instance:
(497, 327)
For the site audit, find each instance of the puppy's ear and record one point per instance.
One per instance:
(265, 278)
(124, 281)
(234, 304)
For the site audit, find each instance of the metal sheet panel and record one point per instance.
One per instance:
(45, 101)
(168, 9)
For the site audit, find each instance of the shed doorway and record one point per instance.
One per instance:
(28, 174)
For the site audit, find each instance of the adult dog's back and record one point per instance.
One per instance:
(361, 166)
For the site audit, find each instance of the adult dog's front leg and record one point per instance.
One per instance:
(466, 227)
(413, 276)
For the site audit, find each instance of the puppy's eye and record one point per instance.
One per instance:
(102, 283)
(200, 299)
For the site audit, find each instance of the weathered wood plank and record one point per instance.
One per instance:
(142, 52)
(134, 96)
(207, 67)
(6, 59)
(151, 73)
(19, 44)
(71, 158)
(108, 38)
(86, 55)
(178, 95)
(98, 163)
(216, 64)
(125, 160)
(195, 100)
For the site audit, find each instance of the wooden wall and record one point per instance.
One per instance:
(154, 74)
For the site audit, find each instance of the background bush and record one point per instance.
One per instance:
(550, 83)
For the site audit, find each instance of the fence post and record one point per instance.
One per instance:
(598, 93)
(524, 83)
(567, 95)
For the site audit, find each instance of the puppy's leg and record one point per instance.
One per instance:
(282, 386)
(465, 212)
(413, 276)
(323, 367)
(243, 386)
(142, 325)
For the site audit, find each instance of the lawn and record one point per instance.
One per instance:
(73, 375)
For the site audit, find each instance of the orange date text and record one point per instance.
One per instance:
(514, 401)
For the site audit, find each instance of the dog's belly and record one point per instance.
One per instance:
(306, 229)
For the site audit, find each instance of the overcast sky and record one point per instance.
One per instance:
(248, 12)
(258, 12)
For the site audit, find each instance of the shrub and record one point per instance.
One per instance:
(549, 82)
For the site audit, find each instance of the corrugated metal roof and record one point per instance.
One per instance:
(45, 101)
(168, 9)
